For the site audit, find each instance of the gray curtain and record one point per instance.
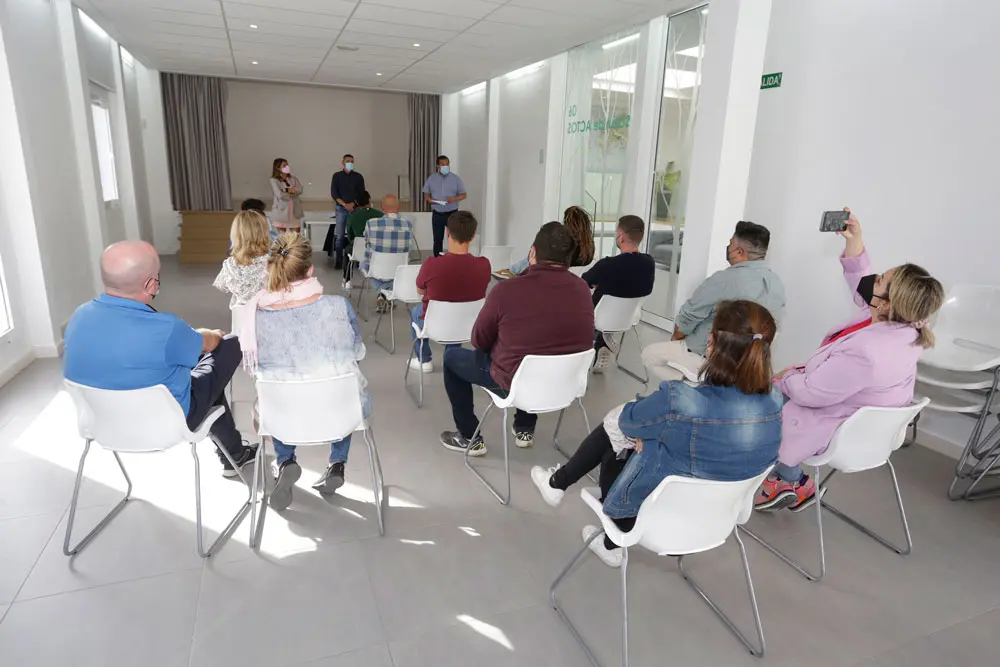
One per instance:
(425, 143)
(194, 111)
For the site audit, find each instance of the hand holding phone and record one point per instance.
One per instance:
(834, 221)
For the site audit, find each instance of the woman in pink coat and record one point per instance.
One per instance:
(869, 360)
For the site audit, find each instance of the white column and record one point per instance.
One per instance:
(123, 151)
(491, 226)
(449, 128)
(85, 150)
(558, 72)
(727, 117)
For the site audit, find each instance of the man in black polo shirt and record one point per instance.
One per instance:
(627, 275)
(346, 187)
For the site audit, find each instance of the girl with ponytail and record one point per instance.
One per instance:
(726, 428)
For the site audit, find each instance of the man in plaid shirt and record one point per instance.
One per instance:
(390, 233)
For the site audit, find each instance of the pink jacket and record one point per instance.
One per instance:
(874, 366)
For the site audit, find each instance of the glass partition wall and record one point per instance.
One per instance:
(672, 172)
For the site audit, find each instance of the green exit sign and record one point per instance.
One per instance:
(770, 81)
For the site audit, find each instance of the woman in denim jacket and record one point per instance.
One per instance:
(728, 428)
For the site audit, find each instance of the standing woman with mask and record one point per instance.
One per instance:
(286, 209)
(871, 360)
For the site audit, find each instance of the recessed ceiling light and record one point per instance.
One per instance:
(378, 73)
(253, 62)
(253, 26)
(415, 44)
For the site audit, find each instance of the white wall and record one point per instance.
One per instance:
(472, 149)
(34, 56)
(164, 218)
(312, 127)
(523, 138)
(907, 137)
(133, 123)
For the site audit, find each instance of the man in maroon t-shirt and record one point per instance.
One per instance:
(456, 277)
(545, 310)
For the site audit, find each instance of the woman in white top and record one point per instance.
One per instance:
(244, 273)
(295, 332)
(286, 209)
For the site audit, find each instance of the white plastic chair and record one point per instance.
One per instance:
(357, 251)
(542, 383)
(580, 270)
(682, 516)
(962, 371)
(318, 412)
(382, 267)
(864, 441)
(500, 256)
(404, 290)
(615, 315)
(236, 314)
(142, 421)
(446, 323)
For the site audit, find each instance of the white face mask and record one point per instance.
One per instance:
(286, 169)
(349, 166)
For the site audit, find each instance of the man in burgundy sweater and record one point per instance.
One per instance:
(545, 310)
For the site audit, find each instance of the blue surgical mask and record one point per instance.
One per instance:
(349, 166)
(445, 170)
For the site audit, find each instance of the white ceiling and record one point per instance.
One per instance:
(415, 45)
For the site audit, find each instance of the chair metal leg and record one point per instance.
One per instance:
(392, 331)
(244, 509)
(988, 451)
(504, 500)
(378, 488)
(72, 551)
(562, 614)
(756, 650)
(259, 497)
(881, 540)
(417, 398)
(361, 294)
(820, 489)
(630, 373)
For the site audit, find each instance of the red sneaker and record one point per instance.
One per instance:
(776, 494)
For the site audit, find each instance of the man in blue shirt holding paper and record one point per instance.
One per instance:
(443, 190)
(119, 341)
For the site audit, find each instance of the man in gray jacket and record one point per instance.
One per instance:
(747, 277)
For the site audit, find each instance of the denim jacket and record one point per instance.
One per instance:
(706, 432)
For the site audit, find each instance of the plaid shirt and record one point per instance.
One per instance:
(390, 233)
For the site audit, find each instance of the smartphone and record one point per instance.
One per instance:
(834, 221)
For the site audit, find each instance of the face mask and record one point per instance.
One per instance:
(727, 255)
(445, 170)
(286, 169)
(349, 166)
(866, 289)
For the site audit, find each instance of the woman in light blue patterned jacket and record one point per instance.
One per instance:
(302, 333)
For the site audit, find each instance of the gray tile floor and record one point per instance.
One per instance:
(457, 580)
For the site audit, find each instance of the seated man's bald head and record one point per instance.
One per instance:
(390, 204)
(127, 266)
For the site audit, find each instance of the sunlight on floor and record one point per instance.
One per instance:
(471, 532)
(491, 632)
(419, 543)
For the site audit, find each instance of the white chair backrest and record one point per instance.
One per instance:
(404, 285)
(135, 420)
(685, 515)
(310, 412)
(868, 438)
(383, 265)
(580, 270)
(500, 256)
(616, 314)
(546, 383)
(358, 250)
(447, 322)
(967, 329)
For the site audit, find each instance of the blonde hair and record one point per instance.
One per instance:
(251, 237)
(290, 261)
(914, 296)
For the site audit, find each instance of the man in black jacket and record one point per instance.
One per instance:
(346, 187)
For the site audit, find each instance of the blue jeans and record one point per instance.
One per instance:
(464, 368)
(422, 350)
(338, 449)
(342, 214)
(787, 473)
(379, 285)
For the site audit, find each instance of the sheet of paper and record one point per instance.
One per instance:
(440, 202)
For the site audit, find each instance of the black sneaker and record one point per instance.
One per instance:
(244, 460)
(522, 438)
(332, 479)
(285, 477)
(455, 442)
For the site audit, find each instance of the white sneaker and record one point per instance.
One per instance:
(610, 557)
(523, 439)
(346, 285)
(602, 360)
(611, 340)
(415, 365)
(540, 476)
